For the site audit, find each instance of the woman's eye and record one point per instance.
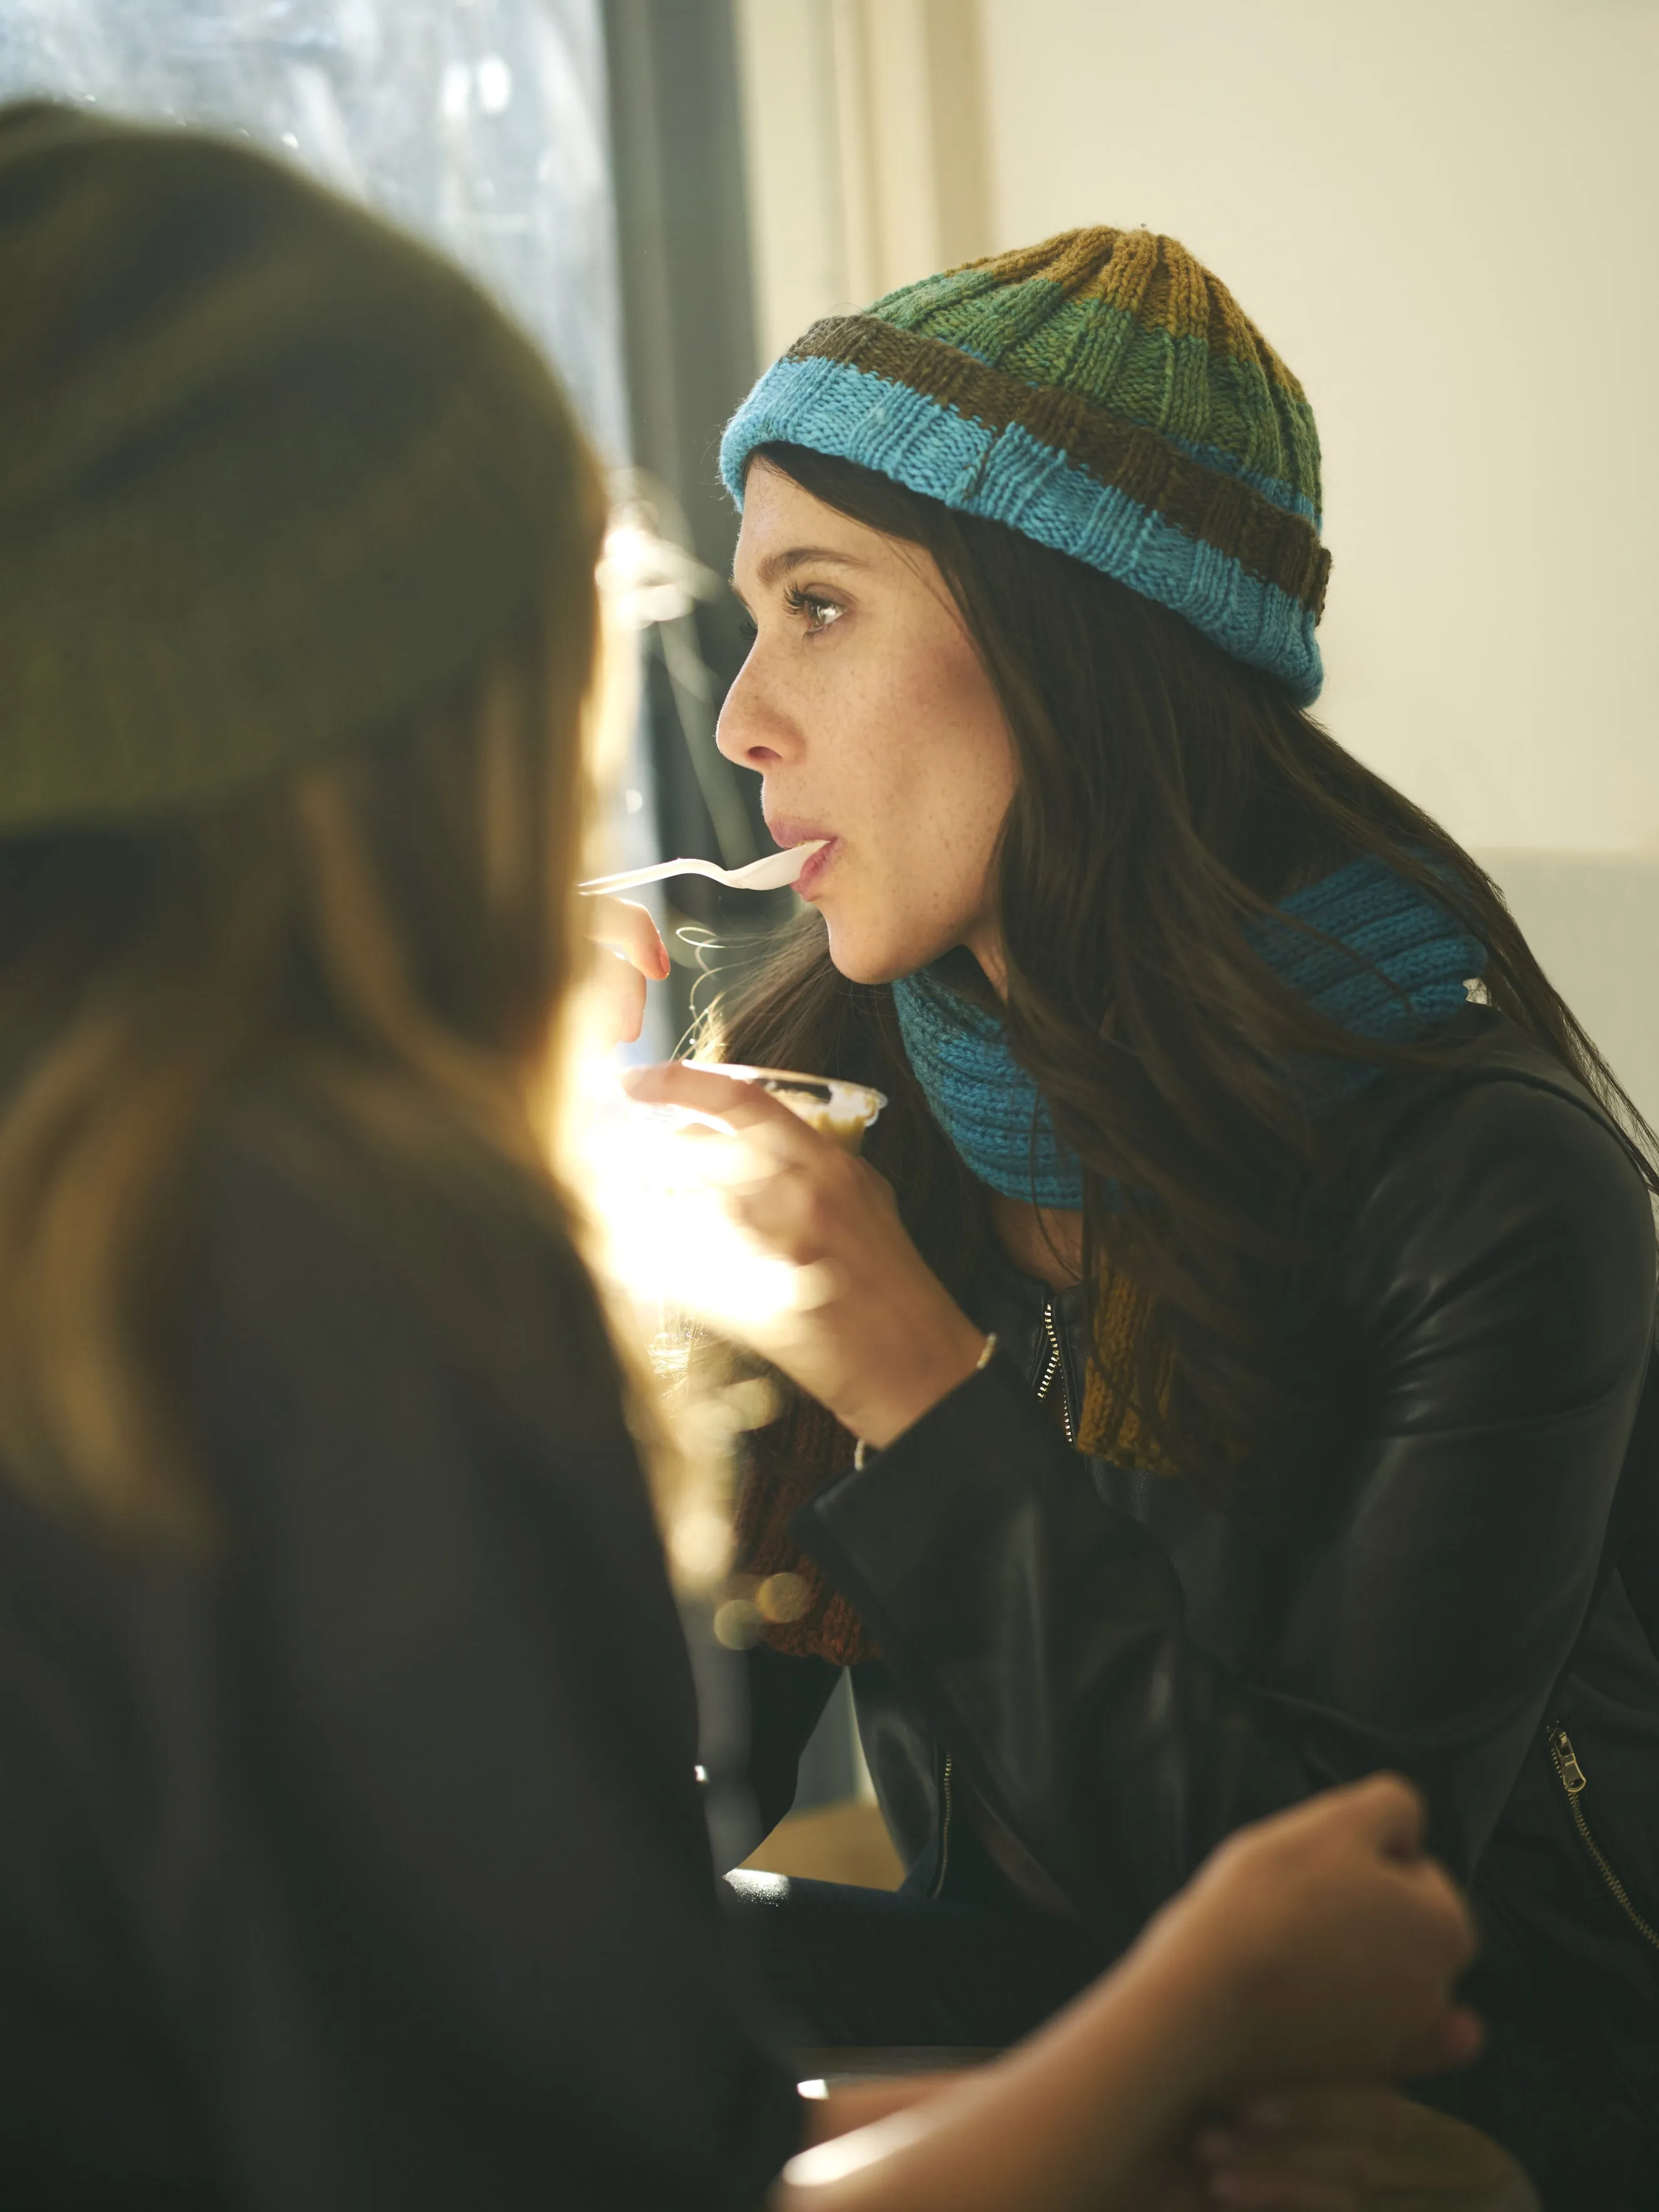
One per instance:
(816, 613)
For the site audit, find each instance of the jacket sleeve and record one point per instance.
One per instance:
(785, 1701)
(441, 1920)
(1500, 1279)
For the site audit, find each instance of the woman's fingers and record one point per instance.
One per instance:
(627, 931)
(1384, 1810)
(1440, 1899)
(677, 1083)
(623, 989)
(1271, 2182)
(1362, 2137)
(627, 928)
(888, 1341)
(1394, 1814)
(1341, 1946)
(744, 1106)
(1453, 2040)
(1317, 2155)
(1370, 2112)
(1385, 1815)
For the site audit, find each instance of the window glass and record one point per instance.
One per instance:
(479, 123)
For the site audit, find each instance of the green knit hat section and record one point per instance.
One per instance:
(1104, 393)
(272, 475)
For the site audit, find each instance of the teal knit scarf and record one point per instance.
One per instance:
(1396, 964)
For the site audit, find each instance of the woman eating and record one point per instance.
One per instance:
(1235, 1373)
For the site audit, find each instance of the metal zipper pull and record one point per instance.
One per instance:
(1572, 1774)
(1573, 1780)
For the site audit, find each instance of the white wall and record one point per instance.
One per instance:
(866, 149)
(1445, 214)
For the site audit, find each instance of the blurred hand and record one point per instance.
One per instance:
(1357, 2148)
(1328, 1943)
(1343, 2150)
(637, 955)
(888, 1341)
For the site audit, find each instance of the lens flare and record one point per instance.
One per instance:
(658, 1183)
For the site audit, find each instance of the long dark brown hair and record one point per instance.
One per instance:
(1167, 796)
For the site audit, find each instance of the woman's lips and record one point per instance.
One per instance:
(788, 832)
(813, 874)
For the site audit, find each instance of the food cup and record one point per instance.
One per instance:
(843, 1111)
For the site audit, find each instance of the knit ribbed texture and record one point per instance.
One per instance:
(1387, 962)
(997, 1120)
(1101, 392)
(1396, 962)
(273, 476)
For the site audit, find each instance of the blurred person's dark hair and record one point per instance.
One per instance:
(297, 632)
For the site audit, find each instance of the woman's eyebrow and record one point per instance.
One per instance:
(800, 556)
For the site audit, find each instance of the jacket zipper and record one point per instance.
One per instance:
(945, 1795)
(1573, 1779)
(1055, 1368)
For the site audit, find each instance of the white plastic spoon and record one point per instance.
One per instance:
(768, 874)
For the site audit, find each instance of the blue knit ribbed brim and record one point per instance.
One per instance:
(1008, 477)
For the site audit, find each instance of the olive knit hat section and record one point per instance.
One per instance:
(1101, 392)
(272, 476)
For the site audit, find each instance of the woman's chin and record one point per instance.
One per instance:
(866, 956)
(849, 965)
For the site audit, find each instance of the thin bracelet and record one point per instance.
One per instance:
(987, 1353)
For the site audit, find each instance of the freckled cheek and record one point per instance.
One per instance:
(914, 768)
(965, 721)
(856, 762)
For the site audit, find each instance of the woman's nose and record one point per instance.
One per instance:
(750, 732)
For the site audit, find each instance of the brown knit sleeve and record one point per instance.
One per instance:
(780, 1468)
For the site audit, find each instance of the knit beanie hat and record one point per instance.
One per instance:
(1104, 393)
(272, 476)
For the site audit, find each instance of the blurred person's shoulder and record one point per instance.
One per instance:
(389, 1208)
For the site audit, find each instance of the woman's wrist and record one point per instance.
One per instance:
(1186, 2007)
(879, 1408)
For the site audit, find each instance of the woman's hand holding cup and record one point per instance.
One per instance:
(885, 1340)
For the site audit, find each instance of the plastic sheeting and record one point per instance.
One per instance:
(480, 124)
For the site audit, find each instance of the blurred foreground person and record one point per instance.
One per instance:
(351, 1853)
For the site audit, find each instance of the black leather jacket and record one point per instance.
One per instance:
(1090, 1676)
